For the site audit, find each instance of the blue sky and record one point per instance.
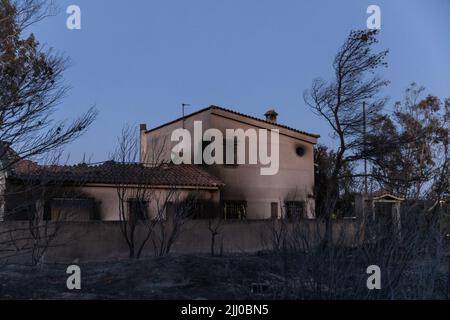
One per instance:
(138, 60)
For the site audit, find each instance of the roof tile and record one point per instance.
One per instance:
(111, 172)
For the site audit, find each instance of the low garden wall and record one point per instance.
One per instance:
(103, 240)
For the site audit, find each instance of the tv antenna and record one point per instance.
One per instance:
(183, 105)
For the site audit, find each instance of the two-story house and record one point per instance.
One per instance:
(246, 194)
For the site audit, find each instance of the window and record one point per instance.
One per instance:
(47, 211)
(235, 210)
(203, 210)
(138, 209)
(69, 209)
(274, 210)
(204, 145)
(235, 152)
(23, 211)
(294, 209)
(345, 207)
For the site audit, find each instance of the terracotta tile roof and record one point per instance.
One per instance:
(240, 114)
(262, 120)
(111, 172)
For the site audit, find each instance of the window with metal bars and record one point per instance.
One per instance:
(295, 209)
(233, 209)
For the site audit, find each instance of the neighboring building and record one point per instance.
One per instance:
(246, 193)
(381, 207)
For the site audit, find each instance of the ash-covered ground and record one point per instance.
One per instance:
(231, 277)
(172, 277)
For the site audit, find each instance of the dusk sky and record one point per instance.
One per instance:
(137, 61)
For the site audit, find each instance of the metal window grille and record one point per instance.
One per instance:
(294, 209)
(235, 210)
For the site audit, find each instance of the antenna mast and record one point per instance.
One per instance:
(183, 105)
(364, 147)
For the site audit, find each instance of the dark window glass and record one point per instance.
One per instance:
(294, 209)
(204, 145)
(274, 210)
(235, 210)
(235, 148)
(203, 209)
(138, 209)
(69, 209)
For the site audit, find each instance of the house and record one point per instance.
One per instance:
(96, 202)
(236, 191)
(247, 194)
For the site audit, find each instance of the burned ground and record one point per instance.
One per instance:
(258, 276)
(179, 277)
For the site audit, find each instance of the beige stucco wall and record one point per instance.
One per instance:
(294, 180)
(107, 199)
(160, 138)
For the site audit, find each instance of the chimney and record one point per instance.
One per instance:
(142, 143)
(271, 116)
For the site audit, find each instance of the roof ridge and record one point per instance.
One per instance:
(265, 121)
(237, 113)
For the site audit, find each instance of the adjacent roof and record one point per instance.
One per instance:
(388, 197)
(111, 172)
(384, 195)
(237, 113)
